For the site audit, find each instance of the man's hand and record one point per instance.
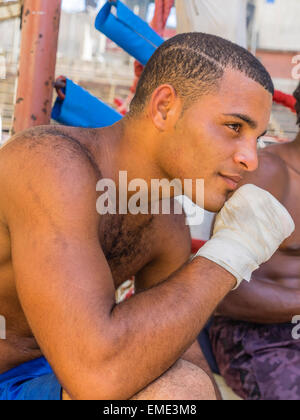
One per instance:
(248, 231)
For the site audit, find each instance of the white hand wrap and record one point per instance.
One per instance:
(248, 230)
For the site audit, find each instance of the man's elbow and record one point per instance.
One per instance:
(101, 374)
(101, 383)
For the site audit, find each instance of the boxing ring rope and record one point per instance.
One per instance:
(284, 99)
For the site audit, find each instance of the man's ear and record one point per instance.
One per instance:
(164, 107)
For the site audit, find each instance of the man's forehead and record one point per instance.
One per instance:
(237, 100)
(239, 94)
(237, 84)
(248, 102)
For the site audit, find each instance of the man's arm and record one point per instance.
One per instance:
(262, 302)
(98, 350)
(172, 242)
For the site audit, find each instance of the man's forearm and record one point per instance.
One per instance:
(153, 329)
(261, 302)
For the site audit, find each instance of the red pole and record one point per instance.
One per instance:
(40, 27)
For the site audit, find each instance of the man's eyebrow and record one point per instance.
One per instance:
(245, 118)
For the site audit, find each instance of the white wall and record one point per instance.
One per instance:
(279, 25)
(210, 16)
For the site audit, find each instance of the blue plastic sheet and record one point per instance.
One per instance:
(33, 381)
(81, 109)
(128, 31)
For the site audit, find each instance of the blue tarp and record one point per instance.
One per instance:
(81, 109)
(128, 31)
(34, 381)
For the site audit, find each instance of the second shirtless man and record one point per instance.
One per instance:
(253, 340)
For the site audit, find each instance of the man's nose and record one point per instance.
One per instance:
(247, 156)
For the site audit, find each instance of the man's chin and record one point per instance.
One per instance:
(215, 204)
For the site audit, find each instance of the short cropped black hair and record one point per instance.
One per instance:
(297, 106)
(194, 63)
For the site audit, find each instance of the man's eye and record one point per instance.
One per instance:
(235, 127)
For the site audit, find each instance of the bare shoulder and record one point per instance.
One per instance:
(50, 143)
(272, 173)
(271, 161)
(47, 147)
(45, 160)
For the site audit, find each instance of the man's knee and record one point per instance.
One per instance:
(184, 381)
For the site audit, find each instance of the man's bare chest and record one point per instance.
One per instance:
(128, 243)
(292, 245)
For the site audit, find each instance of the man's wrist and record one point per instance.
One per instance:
(226, 277)
(231, 255)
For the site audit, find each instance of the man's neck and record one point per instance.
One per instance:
(124, 147)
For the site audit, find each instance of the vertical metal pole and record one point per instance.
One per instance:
(40, 27)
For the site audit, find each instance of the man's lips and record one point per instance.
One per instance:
(232, 180)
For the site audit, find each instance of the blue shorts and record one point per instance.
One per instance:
(33, 380)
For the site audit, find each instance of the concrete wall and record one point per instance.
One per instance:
(10, 39)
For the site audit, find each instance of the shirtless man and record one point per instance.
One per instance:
(259, 357)
(200, 107)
